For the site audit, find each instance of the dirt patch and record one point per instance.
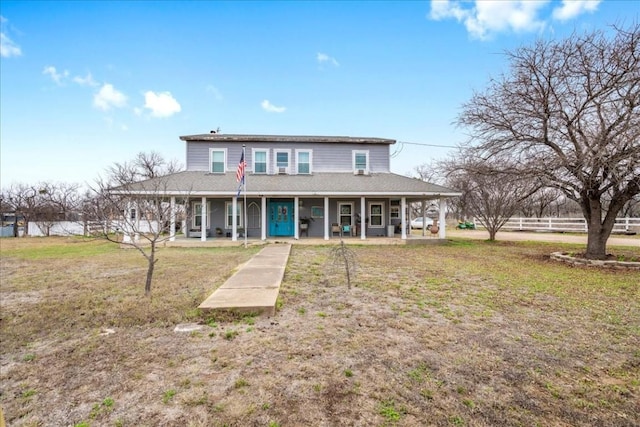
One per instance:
(475, 334)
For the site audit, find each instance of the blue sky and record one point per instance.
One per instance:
(87, 84)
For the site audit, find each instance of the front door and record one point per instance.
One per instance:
(281, 218)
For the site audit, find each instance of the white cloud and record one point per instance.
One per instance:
(214, 90)
(323, 57)
(54, 74)
(85, 81)
(270, 108)
(108, 97)
(487, 17)
(161, 104)
(572, 8)
(8, 47)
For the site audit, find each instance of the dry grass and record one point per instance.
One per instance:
(471, 333)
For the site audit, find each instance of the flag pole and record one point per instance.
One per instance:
(244, 184)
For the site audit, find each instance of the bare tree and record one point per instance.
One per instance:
(429, 172)
(132, 206)
(569, 113)
(491, 192)
(344, 257)
(57, 202)
(23, 200)
(541, 202)
(632, 207)
(432, 173)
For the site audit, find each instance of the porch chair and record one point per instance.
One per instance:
(335, 228)
(346, 230)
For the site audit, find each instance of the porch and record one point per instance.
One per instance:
(416, 238)
(295, 218)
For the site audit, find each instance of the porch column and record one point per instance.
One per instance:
(296, 217)
(326, 218)
(126, 234)
(204, 220)
(441, 221)
(136, 231)
(234, 219)
(424, 217)
(172, 220)
(263, 219)
(403, 208)
(363, 222)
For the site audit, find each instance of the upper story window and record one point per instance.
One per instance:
(260, 161)
(282, 161)
(361, 160)
(303, 161)
(218, 160)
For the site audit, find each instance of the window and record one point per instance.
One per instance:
(253, 215)
(317, 212)
(361, 160)
(394, 212)
(304, 161)
(218, 160)
(196, 218)
(282, 161)
(344, 213)
(260, 161)
(228, 222)
(376, 215)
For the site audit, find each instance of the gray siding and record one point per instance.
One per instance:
(198, 155)
(325, 157)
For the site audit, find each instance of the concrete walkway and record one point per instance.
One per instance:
(256, 284)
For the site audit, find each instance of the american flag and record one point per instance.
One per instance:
(241, 166)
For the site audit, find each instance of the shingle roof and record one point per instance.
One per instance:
(221, 137)
(201, 183)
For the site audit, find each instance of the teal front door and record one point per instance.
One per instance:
(281, 218)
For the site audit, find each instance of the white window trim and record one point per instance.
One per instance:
(253, 160)
(392, 209)
(206, 217)
(382, 222)
(275, 160)
(227, 207)
(211, 151)
(339, 215)
(310, 161)
(254, 205)
(353, 160)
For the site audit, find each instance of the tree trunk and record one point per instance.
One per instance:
(596, 244)
(151, 265)
(598, 230)
(492, 234)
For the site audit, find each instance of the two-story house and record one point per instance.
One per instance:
(336, 185)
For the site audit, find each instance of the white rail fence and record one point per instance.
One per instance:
(577, 225)
(70, 228)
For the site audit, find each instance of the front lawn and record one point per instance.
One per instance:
(467, 334)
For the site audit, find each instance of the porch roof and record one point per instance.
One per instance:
(200, 183)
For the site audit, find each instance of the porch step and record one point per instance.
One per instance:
(256, 284)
